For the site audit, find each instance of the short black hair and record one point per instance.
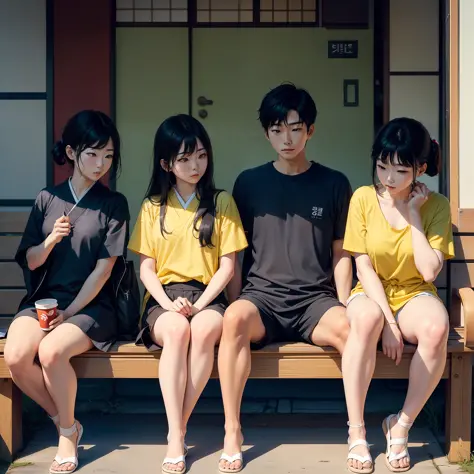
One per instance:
(281, 100)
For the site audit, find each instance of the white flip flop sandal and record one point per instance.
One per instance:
(231, 459)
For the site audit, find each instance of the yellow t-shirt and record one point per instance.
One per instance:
(178, 254)
(391, 250)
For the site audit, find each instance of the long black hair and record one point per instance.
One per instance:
(88, 129)
(408, 141)
(171, 134)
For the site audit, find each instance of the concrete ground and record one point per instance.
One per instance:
(281, 444)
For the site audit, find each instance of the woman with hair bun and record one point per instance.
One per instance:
(75, 232)
(400, 234)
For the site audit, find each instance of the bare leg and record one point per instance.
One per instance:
(206, 331)
(23, 341)
(423, 321)
(55, 352)
(358, 364)
(172, 332)
(242, 325)
(332, 329)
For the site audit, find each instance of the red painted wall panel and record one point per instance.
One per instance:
(82, 60)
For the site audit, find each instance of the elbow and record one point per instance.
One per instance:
(31, 266)
(429, 276)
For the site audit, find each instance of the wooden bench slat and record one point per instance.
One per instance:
(9, 300)
(129, 350)
(13, 221)
(8, 246)
(11, 275)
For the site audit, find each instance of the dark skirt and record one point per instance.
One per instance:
(192, 290)
(97, 320)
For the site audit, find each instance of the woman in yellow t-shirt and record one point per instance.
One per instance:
(400, 234)
(187, 235)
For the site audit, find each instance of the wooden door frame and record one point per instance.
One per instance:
(460, 217)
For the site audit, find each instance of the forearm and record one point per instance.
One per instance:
(343, 277)
(217, 284)
(90, 289)
(426, 260)
(36, 256)
(153, 285)
(373, 288)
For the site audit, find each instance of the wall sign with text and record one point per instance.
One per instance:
(343, 49)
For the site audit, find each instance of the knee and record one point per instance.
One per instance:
(368, 322)
(49, 354)
(17, 359)
(204, 336)
(236, 321)
(434, 334)
(178, 333)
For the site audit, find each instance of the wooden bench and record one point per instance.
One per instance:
(285, 361)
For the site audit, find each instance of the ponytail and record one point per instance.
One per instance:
(59, 153)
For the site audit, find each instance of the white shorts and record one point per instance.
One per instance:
(423, 293)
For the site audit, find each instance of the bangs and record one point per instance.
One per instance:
(279, 114)
(190, 144)
(395, 152)
(396, 158)
(97, 137)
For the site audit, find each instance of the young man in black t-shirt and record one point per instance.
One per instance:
(295, 272)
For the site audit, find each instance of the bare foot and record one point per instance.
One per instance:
(398, 431)
(175, 449)
(358, 433)
(233, 441)
(67, 448)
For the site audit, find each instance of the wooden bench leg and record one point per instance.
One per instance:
(458, 408)
(10, 420)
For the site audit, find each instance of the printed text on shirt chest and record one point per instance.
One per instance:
(317, 212)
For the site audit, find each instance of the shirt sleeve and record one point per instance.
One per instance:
(356, 228)
(343, 198)
(33, 233)
(115, 241)
(440, 230)
(142, 241)
(232, 235)
(240, 194)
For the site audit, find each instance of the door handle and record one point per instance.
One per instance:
(202, 101)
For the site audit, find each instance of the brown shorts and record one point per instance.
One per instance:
(191, 290)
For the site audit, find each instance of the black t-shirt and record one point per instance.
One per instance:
(291, 223)
(100, 230)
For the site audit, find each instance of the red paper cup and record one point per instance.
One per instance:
(47, 311)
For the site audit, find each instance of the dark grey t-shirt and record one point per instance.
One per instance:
(100, 230)
(291, 223)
